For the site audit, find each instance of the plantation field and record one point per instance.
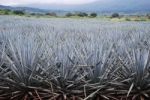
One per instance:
(73, 59)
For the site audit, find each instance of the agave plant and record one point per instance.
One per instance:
(25, 79)
(4, 73)
(99, 75)
(133, 76)
(57, 59)
(67, 80)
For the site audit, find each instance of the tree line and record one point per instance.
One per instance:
(81, 14)
(54, 14)
(22, 12)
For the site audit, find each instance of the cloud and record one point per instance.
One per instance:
(24, 2)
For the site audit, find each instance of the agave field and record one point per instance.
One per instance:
(73, 59)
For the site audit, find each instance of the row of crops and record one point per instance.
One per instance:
(74, 59)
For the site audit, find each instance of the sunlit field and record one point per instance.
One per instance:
(73, 59)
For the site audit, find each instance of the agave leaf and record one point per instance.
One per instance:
(91, 95)
(130, 89)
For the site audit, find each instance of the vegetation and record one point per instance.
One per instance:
(81, 14)
(52, 14)
(77, 14)
(115, 15)
(93, 14)
(57, 59)
(5, 12)
(10, 12)
(148, 16)
(69, 15)
(18, 12)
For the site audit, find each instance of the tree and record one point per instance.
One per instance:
(69, 15)
(18, 12)
(115, 15)
(93, 14)
(148, 16)
(85, 14)
(51, 14)
(33, 14)
(82, 14)
(7, 11)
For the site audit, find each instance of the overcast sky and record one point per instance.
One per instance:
(24, 2)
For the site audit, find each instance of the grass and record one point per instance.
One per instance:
(130, 19)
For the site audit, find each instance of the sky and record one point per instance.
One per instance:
(25, 2)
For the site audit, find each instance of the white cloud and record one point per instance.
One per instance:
(20, 2)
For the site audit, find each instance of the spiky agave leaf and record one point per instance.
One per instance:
(67, 82)
(25, 81)
(67, 79)
(134, 76)
(100, 75)
(4, 72)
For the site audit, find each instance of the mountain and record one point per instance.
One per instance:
(5, 7)
(101, 6)
(120, 5)
(26, 9)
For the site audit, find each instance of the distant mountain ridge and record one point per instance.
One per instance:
(27, 9)
(102, 6)
(128, 6)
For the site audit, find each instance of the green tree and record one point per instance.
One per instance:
(51, 14)
(93, 14)
(148, 16)
(115, 15)
(18, 12)
(7, 11)
(82, 14)
(69, 15)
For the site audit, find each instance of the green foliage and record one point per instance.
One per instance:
(33, 14)
(51, 14)
(148, 16)
(5, 12)
(18, 12)
(81, 14)
(69, 15)
(93, 14)
(115, 15)
(128, 19)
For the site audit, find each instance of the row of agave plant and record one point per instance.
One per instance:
(28, 71)
(75, 64)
